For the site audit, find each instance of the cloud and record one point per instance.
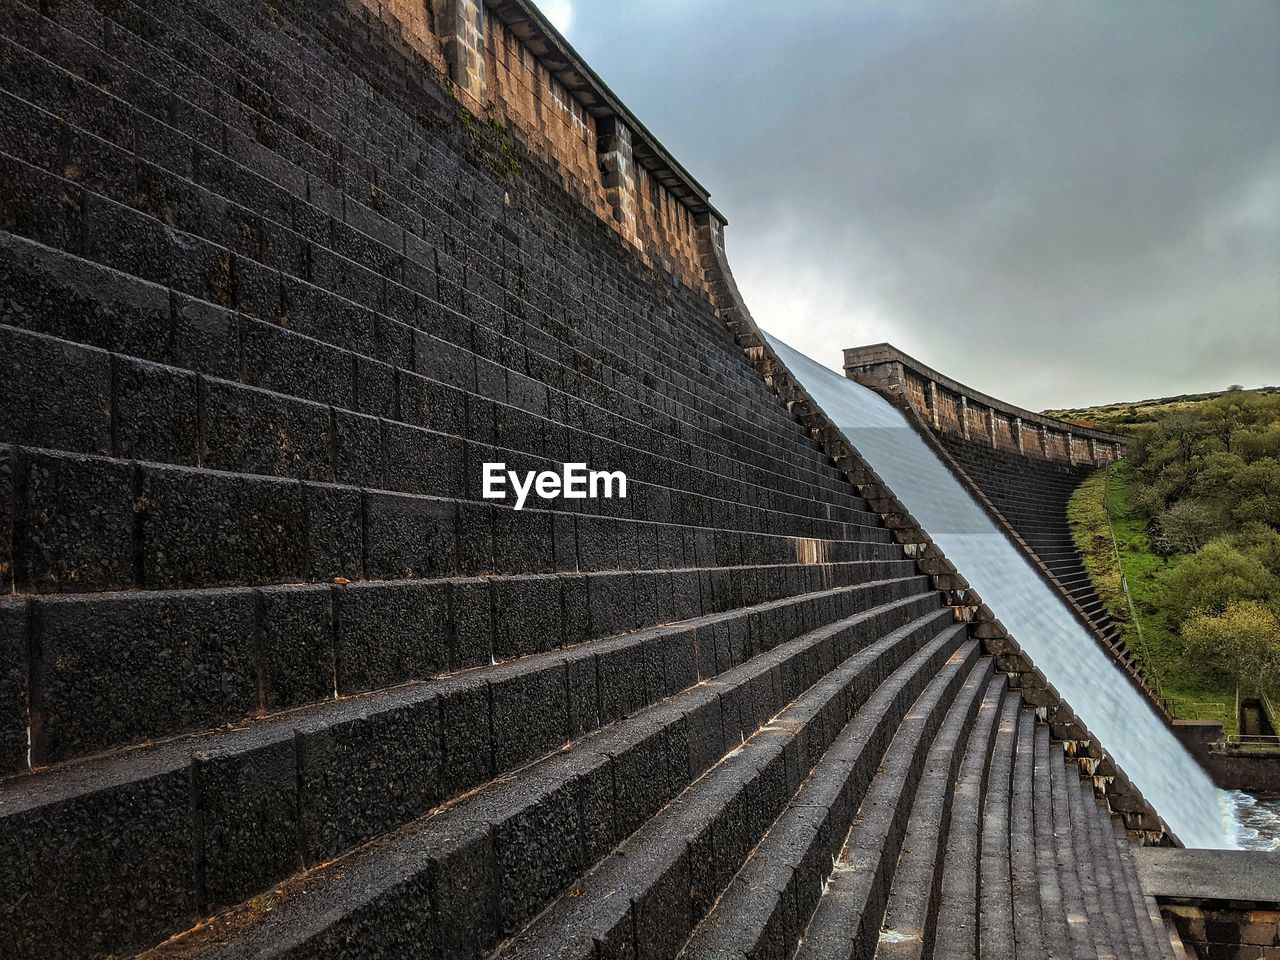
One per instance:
(559, 12)
(1057, 203)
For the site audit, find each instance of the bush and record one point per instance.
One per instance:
(1213, 577)
(1186, 527)
(1146, 500)
(1259, 541)
(1224, 452)
(1255, 492)
(1242, 642)
(1264, 442)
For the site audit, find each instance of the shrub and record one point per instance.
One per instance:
(1259, 541)
(1263, 442)
(1242, 642)
(1186, 527)
(1210, 579)
(1146, 500)
(1255, 492)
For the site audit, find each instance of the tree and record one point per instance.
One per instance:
(1255, 492)
(1261, 542)
(1210, 579)
(1243, 641)
(1225, 414)
(1264, 441)
(1187, 526)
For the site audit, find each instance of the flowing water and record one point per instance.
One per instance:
(1257, 820)
(1118, 714)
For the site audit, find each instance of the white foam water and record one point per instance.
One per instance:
(1118, 714)
(1255, 820)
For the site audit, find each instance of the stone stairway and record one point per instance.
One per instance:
(284, 684)
(1033, 496)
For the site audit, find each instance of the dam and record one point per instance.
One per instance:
(277, 680)
(1069, 656)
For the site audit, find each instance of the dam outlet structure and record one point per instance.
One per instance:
(279, 680)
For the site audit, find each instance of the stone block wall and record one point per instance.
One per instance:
(951, 408)
(1212, 930)
(1223, 904)
(510, 68)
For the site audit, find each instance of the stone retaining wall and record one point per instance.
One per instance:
(510, 68)
(952, 408)
(1224, 904)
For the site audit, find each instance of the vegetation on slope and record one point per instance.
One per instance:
(1131, 418)
(1151, 640)
(1196, 515)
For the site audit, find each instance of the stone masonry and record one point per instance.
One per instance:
(276, 280)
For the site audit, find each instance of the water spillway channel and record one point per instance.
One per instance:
(1101, 695)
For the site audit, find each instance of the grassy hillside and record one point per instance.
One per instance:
(1192, 693)
(1195, 509)
(1130, 418)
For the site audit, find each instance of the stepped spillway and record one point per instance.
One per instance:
(1069, 657)
(279, 682)
(1032, 495)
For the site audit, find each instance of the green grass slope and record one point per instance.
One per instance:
(1129, 557)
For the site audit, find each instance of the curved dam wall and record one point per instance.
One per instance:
(277, 281)
(1124, 720)
(1022, 467)
(953, 409)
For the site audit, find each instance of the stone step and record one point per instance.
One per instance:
(1031, 938)
(256, 198)
(121, 524)
(1059, 856)
(519, 844)
(1096, 877)
(996, 934)
(911, 912)
(339, 445)
(962, 910)
(1128, 911)
(703, 847)
(1146, 915)
(259, 801)
(847, 911)
(371, 376)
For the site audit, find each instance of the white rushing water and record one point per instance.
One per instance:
(1068, 655)
(1257, 820)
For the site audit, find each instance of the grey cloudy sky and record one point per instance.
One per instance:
(1056, 202)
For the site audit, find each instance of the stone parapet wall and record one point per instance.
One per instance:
(523, 92)
(952, 408)
(509, 67)
(1223, 904)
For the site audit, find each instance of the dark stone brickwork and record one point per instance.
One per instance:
(268, 300)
